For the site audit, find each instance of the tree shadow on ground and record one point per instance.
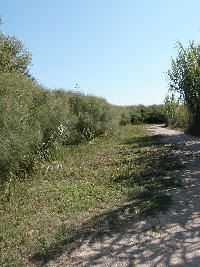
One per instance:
(171, 239)
(152, 200)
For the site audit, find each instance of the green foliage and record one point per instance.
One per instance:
(34, 121)
(124, 119)
(13, 55)
(18, 139)
(140, 114)
(93, 115)
(176, 113)
(155, 114)
(172, 104)
(136, 117)
(184, 78)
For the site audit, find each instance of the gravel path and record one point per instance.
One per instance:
(171, 239)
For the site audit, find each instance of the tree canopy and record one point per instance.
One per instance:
(13, 55)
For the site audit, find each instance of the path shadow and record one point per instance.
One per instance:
(171, 239)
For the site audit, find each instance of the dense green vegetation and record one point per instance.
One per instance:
(183, 101)
(176, 113)
(35, 121)
(140, 114)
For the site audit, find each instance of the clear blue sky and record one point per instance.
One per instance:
(118, 49)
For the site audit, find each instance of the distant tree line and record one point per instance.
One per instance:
(141, 114)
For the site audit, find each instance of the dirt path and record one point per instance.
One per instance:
(171, 239)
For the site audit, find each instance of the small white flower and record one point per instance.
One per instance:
(61, 128)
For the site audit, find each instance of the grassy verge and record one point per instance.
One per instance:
(91, 187)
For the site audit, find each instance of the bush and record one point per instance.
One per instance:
(147, 114)
(176, 113)
(19, 134)
(136, 118)
(139, 114)
(155, 114)
(93, 115)
(34, 120)
(184, 79)
(124, 119)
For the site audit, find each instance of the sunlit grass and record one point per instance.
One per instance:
(88, 186)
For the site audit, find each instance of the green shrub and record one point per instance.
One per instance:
(139, 114)
(136, 118)
(147, 114)
(34, 120)
(155, 114)
(18, 139)
(184, 79)
(124, 119)
(176, 113)
(93, 114)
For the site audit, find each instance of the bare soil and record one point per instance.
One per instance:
(169, 239)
